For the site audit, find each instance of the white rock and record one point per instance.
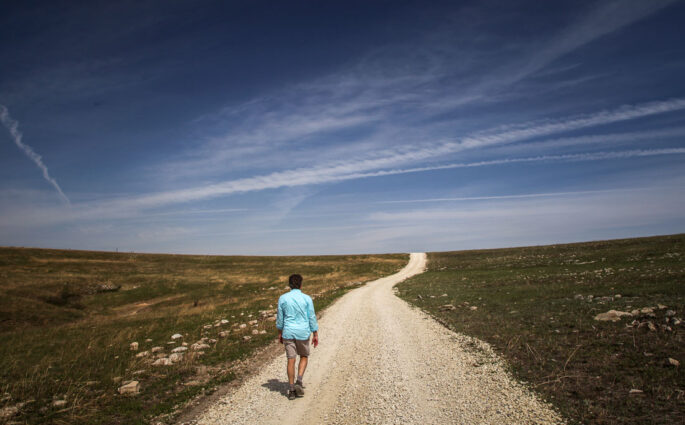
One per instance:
(148, 340)
(199, 346)
(143, 354)
(262, 332)
(156, 349)
(164, 361)
(130, 388)
(176, 357)
(134, 346)
(255, 332)
(224, 334)
(179, 349)
(59, 403)
(247, 338)
(673, 362)
(253, 322)
(207, 327)
(635, 391)
(242, 326)
(613, 315)
(670, 313)
(176, 336)
(224, 322)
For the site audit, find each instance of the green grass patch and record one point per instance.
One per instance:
(526, 302)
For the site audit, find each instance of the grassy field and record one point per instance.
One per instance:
(536, 307)
(67, 319)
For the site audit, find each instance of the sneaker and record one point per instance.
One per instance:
(299, 389)
(291, 395)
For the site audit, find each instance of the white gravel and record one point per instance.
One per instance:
(381, 361)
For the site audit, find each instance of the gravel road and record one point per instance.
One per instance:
(381, 361)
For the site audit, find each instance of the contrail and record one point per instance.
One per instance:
(13, 127)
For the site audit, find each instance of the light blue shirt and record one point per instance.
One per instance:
(296, 316)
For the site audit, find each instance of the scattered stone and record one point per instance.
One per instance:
(184, 344)
(673, 362)
(59, 403)
(171, 343)
(224, 322)
(651, 326)
(148, 340)
(164, 361)
(160, 355)
(670, 313)
(617, 296)
(207, 327)
(224, 334)
(447, 307)
(130, 388)
(647, 310)
(661, 306)
(635, 391)
(676, 322)
(473, 308)
(134, 346)
(179, 349)
(199, 346)
(107, 287)
(211, 341)
(635, 312)
(143, 354)
(443, 295)
(253, 322)
(247, 338)
(613, 315)
(156, 349)
(7, 412)
(262, 332)
(579, 297)
(138, 372)
(255, 332)
(271, 319)
(117, 379)
(176, 336)
(242, 326)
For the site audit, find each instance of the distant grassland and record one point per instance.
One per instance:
(528, 307)
(65, 333)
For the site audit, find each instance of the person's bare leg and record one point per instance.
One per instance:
(303, 366)
(291, 372)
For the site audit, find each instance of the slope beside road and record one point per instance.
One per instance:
(381, 361)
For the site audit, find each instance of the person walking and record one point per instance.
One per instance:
(295, 321)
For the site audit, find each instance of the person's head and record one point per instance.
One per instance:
(295, 281)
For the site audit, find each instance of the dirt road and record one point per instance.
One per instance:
(381, 361)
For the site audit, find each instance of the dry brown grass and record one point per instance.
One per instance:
(63, 339)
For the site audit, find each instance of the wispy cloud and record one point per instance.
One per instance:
(13, 128)
(363, 167)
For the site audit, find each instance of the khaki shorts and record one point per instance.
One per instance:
(296, 347)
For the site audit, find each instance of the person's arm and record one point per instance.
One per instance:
(313, 324)
(279, 322)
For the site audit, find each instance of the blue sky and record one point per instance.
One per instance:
(339, 127)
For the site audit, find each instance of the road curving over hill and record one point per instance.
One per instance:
(381, 361)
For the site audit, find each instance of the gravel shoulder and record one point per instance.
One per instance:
(381, 361)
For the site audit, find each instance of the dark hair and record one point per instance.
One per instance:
(295, 281)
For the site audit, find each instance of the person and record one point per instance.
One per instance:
(295, 321)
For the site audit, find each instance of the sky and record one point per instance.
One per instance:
(309, 127)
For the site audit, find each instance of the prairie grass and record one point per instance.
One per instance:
(526, 302)
(66, 329)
